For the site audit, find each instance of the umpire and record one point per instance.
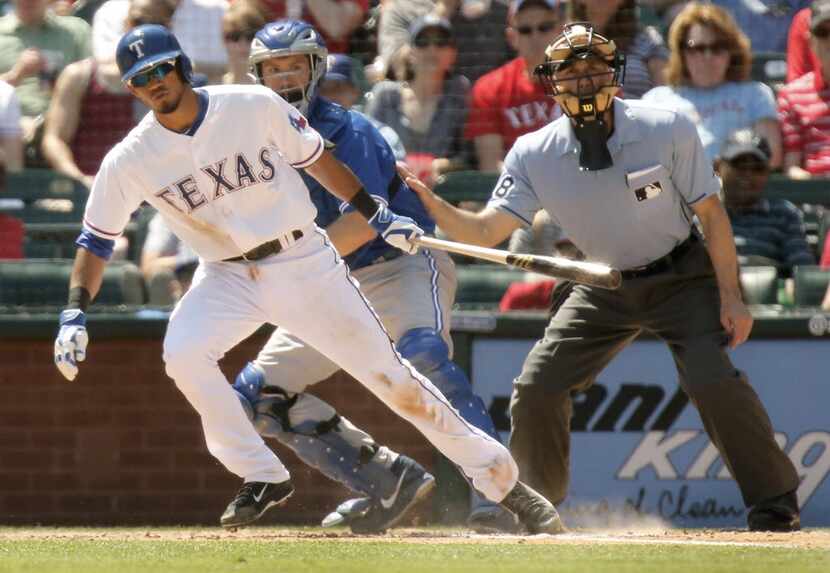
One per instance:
(624, 180)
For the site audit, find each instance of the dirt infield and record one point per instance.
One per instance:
(808, 539)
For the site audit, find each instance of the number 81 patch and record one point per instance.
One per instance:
(504, 186)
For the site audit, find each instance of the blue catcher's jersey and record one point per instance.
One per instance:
(358, 144)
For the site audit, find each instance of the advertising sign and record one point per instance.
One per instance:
(638, 447)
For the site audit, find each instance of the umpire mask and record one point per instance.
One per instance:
(583, 72)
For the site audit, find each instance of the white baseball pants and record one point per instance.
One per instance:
(307, 290)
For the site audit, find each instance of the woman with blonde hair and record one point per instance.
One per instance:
(708, 79)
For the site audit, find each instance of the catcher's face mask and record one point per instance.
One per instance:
(288, 76)
(583, 72)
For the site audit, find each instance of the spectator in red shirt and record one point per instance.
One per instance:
(800, 57)
(335, 19)
(804, 107)
(509, 102)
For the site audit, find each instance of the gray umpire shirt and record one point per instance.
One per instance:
(627, 215)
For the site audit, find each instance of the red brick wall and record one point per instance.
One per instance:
(121, 445)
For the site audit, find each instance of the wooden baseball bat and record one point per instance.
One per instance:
(593, 274)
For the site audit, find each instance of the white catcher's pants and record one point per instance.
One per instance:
(307, 290)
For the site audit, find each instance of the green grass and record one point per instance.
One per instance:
(64, 555)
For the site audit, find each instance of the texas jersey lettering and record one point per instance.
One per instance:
(234, 185)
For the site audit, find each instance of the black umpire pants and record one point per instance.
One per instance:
(681, 306)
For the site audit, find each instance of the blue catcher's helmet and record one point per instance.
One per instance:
(147, 46)
(288, 38)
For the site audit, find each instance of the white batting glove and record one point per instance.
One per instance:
(70, 345)
(396, 230)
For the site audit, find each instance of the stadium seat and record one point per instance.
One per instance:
(57, 240)
(45, 282)
(51, 240)
(769, 68)
(44, 196)
(760, 285)
(815, 191)
(482, 286)
(810, 285)
(459, 186)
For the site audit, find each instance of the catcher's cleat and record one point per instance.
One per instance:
(253, 500)
(368, 516)
(348, 511)
(535, 512)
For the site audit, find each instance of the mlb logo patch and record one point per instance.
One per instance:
(648, 192)
(299, 122)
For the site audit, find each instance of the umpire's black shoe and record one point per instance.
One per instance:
(413, 485)
(775, 514)
(253, 500)
(535, 512)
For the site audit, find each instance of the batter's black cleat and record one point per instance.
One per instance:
(535, 512)
(253, 500)
(414, 484)
(775, 514)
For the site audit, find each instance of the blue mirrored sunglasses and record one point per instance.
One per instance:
(156, 72)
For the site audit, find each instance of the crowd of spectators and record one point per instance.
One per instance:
(449, 83)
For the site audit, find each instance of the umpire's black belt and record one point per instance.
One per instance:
(266, 249)
(663, 263)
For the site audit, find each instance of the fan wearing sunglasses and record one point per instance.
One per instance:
(239, 25)
(427, 111)
(645, 51)
(90, 110)
(708, 80)
(509, 102)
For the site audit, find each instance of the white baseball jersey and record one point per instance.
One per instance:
(225, 189)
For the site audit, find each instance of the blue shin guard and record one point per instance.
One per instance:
(317, 434)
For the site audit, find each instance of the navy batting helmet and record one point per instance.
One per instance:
(287, 38)
(147, 46)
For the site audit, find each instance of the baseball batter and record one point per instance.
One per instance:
(623, 180)
(220, 165)
(412, 296)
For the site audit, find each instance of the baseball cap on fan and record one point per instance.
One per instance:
(745, 142)
(819, 13)
(430, 22)
(518, 5)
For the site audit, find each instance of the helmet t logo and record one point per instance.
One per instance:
(137, 48)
